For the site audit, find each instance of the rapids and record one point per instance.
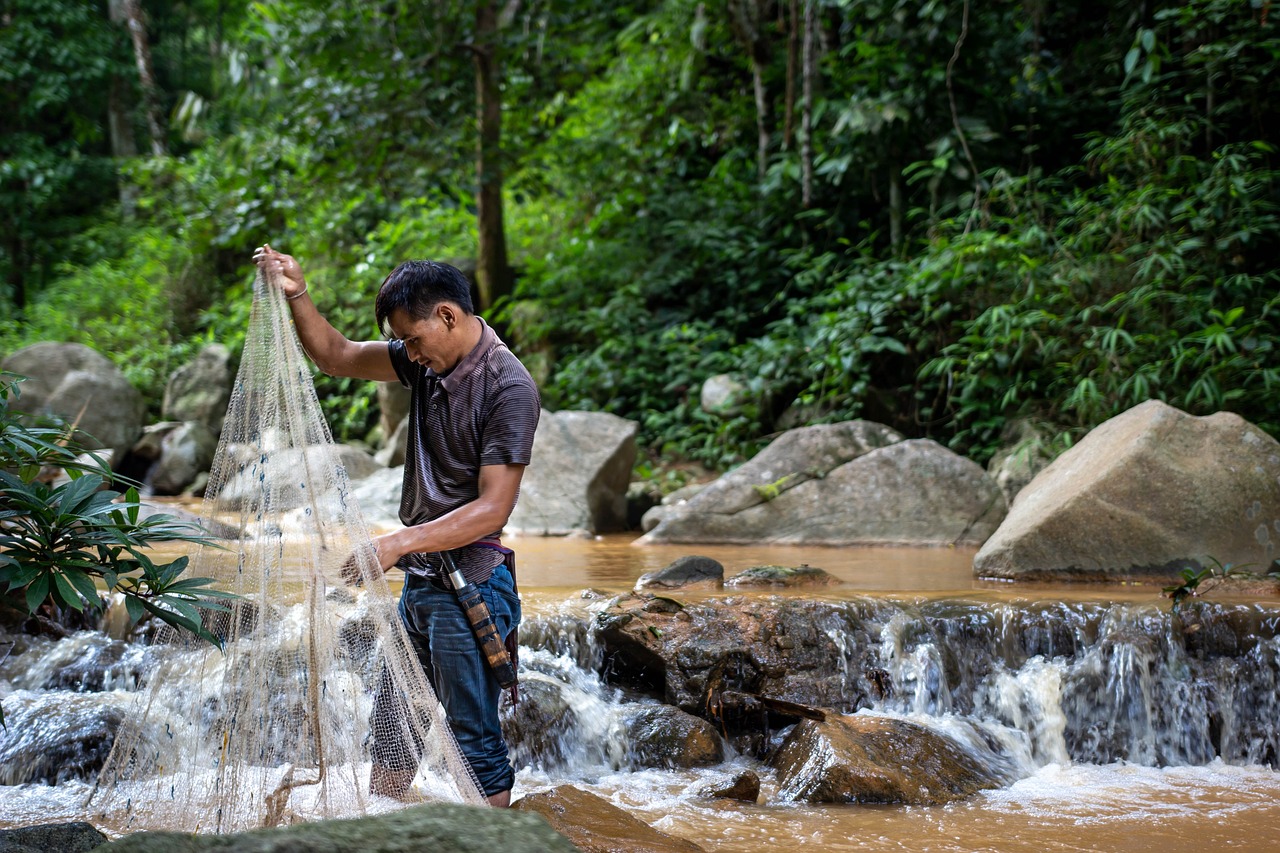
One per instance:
(1107, 722)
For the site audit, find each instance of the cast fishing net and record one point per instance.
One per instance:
(278, 726)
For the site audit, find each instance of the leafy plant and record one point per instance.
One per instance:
(59, 542)
(1193, 579)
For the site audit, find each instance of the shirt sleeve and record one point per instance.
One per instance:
(405, 369)
(510, 425)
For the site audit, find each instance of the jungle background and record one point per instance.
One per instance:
(948, 216)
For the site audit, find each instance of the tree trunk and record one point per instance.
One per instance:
(493, 274)
(806, 114)
(793, 51)
(119, 119)
(131, 11)
(746, 18)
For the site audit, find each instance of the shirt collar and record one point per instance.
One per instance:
(454, 378)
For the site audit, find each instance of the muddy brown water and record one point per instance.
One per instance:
(1075, 807)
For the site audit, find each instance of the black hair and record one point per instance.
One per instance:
(417, 287)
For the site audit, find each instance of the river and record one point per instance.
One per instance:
(1059, 806)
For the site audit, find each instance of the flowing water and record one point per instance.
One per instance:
(1114, 731)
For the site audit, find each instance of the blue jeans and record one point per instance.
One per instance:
(458, 671)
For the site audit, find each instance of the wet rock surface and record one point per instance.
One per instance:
(865, 759)
(73, 837)
(596, 826)
(781, 577)
(437, 827)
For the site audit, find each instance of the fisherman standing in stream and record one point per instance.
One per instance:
(473, 412)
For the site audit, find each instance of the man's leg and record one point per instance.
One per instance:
(464, 683)
(396, 746)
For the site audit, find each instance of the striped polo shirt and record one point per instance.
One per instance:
(482, 412)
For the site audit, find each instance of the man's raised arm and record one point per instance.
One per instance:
(326, 346)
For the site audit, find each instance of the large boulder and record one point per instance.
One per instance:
(200, 390)
(853, 483)
(81, 386)
(378, 496)
(1149, 492)
(438, 827)
(310, 466)
(578, 477)
(595, 825)
(868, 759)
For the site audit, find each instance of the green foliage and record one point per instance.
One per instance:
(57, 542)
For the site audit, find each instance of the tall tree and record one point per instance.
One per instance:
(493, 272)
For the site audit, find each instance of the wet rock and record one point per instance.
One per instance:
(663, 736)
(86, 666)
(596, 826)
(691, 655)
(578, 476)
(310, 464)
(745, 787)
(723, 395)
(438, 827)
(378, 497)
(854, 483)
(686, 572)
(1149, 492)
(669, 505)
(866, 759)
(52, 738)
(537, 728)
(782, 576)
(74, 837)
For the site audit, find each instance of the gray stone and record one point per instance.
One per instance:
(52, 738)
(853, 483)
(308, 463)
(865, 759)
(438, 827)
(578, 477)
(1143, 495)
(82, 387)
(1025, 454)
(392, 454)
(688, 571)
(185, 452)
(723, 395)
(74, 837)
(378, 497)
(393, 409)
(200, 390)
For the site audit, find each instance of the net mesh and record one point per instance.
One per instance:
(280, 726)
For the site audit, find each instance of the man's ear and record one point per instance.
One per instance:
(447, 314)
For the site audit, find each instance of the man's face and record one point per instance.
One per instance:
(426, 342)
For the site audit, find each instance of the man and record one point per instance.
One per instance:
(473, 412)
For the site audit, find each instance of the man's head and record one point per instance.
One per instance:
(417, 288)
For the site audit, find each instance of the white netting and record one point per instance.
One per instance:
(280, 725)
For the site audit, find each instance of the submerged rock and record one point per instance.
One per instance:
(865, 759)
(684, 573)
(745, 787)
(782, 576)
(1145, 494)
(51, 738)
(596, 826)
(438, 827)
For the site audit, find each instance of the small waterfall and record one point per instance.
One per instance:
(1018, 685)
